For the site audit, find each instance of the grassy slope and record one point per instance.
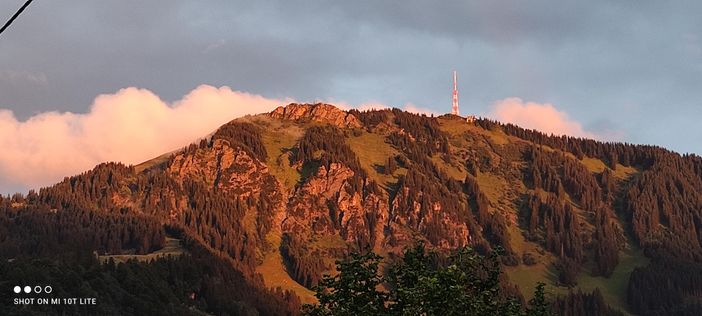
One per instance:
(526, 277)
(614, 288)
(279, 138)
(275, 274)
(597, 166)
(153, 162)
(373, 152)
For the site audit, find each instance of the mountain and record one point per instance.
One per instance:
(257, 213)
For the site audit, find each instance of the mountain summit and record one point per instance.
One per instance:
(272, 200)
(318, 112)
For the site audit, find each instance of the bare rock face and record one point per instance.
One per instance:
(308, 211)
(318, 112)
(230, 169)
(414, 216)
(361, 219)
(325, 205)
(376, 211)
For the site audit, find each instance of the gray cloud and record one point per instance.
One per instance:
(635, 65)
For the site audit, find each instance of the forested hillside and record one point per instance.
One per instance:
(267, 204)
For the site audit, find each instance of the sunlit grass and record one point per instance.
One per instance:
(279, 138)
(373, 152)
(614, 288)
(275, 273)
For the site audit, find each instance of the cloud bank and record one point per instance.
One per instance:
(130, 126)
(543, 117)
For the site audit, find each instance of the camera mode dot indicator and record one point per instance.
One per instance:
(18, 289)
(27, 289)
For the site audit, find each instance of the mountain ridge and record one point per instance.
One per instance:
(281, 195)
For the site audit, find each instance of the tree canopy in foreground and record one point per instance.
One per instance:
(421, 283)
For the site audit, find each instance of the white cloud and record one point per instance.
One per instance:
(130, 126)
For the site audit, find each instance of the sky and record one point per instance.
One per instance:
(87, 81)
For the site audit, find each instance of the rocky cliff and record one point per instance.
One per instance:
(318, 112)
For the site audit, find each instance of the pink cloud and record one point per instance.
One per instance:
(543, 117)
(130, 126)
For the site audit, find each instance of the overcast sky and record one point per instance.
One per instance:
(629, 70)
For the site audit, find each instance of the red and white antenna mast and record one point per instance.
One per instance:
(454, 109)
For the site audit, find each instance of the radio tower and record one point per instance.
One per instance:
(454, 109)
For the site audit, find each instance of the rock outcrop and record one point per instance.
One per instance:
(223, 167)
(318, 112)
(325, 205)
(414, 217)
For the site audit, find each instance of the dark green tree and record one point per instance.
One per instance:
(355, 291)
(467, 284)
(538, 306)
(421, 283)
